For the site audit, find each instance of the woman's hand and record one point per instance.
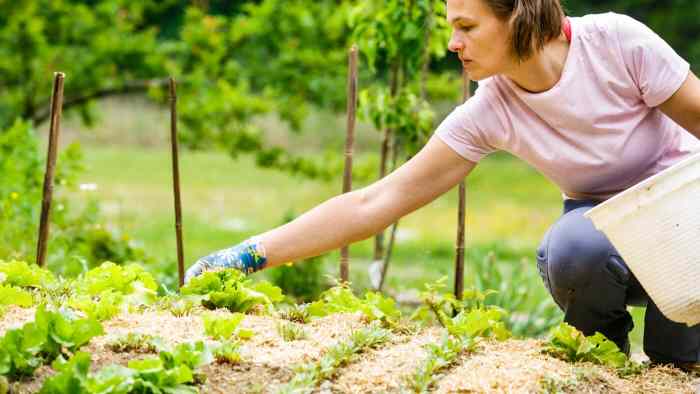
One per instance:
(247, 257)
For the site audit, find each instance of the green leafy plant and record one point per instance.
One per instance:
(131, 280)
(223, 327)
(231, 290)
(227, 352)
(290, 331)
(21, 274)
(10, 295)
(50, 335)
(135, 342)
(102, 307)
(173, 371)
(440, 356)
(467, 320)
(341, 299)
(569, 344)
(109, 289)
(177, 305)
(468, 316)
(309, 375)
(295, 313)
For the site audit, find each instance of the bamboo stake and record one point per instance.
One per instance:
(176, 183)
(349, 142)
(54, 131)
(392, 237)
(387, 255)
(461, 214)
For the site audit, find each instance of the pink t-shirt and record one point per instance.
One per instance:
(597, 131)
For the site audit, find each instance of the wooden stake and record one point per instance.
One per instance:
(387, 256)
(54, 131)
(461, 214)
(349, 142)
(176, 183)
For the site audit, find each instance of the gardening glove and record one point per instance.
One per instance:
(247, 257)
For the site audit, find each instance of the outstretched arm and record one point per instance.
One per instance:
(348, 217)
(362, 213)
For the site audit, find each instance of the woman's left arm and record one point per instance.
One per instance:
(684, 106)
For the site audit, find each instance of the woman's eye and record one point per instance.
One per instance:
(465, 28)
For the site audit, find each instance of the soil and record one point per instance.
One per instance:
(513, 366)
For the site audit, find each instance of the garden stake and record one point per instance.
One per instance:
(459, 258)
(349, 142)
(54, 130)
(176, 183)
(387, 255)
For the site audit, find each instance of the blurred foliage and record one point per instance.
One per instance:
(238, 60)
(77, 240)
(676, 21)
(398, 39)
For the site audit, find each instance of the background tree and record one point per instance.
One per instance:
(398, 38)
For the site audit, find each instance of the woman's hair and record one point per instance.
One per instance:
(533, 23)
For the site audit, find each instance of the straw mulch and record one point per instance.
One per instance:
(514, 366)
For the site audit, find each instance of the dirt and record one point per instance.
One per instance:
(513, 366)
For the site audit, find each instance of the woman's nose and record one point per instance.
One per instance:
(454, 45)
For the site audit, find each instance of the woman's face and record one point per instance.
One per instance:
(479, 38)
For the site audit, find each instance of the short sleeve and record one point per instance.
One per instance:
(657, 70)
(461, 133)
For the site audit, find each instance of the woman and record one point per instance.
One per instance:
(596, 103)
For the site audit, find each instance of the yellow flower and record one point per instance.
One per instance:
(14, 195)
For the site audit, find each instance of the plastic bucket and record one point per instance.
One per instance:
(655, 226)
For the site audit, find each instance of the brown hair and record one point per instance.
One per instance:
(533, 23)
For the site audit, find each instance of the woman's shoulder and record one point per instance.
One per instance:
(610, 25)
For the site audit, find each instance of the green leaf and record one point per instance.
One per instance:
(71, 377)
(151, 365)
(10, 295)
(21, 274)
(567, 343)
(221, 327)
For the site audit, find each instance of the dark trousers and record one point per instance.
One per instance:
(592, 285)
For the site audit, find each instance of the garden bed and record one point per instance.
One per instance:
(268, 361)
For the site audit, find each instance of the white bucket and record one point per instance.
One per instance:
(655, 225)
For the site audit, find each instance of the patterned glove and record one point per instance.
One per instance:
(247, 257)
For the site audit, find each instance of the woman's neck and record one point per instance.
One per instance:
(543, 70)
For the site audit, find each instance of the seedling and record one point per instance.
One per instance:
(135, 342)
(569, 344)
(290, 331)
(309, 375)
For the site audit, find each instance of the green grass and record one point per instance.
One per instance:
(509, 205)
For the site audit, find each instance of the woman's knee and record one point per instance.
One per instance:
(573, 252)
